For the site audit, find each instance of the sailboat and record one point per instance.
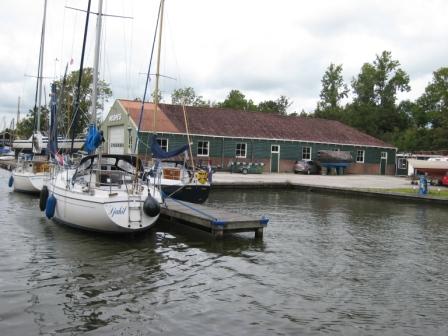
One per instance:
(175, 178)
(103, 192)
(32, 170)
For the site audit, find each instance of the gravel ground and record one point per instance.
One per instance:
(337, 181)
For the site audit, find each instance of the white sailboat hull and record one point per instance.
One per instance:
(30, 175)
(111, 210)
(29, 182)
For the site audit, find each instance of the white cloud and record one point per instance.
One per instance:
(264, 48)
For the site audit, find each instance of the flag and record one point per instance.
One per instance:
(210, 171)
(59, 158)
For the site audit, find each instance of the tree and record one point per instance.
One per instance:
(159, 96)
(278, 106)
(67, 95)
(333, 91)
(236, 100)
(25, 127)
(374, 108)
(434, 102)
(187, 96)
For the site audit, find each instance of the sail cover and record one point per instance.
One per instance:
(93, 139)
(53, 139)
(159, 153)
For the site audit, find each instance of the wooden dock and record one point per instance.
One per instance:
(8, 164)
(216, 221)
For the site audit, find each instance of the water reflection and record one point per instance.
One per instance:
(327, 265)
(95, 280)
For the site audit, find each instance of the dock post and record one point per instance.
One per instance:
(218, 233)
(259, 233)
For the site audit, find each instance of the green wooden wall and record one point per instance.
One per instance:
(261, 149)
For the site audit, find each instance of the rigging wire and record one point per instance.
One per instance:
(148, 79)
(78, 92)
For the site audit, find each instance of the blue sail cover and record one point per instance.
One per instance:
(159, 153)
(93, 139)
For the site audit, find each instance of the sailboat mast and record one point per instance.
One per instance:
(96, 62)
(18, 112)
(41, 68)
(159, 48)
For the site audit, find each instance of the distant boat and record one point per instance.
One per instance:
(30, 172)
(63, 144)
(329, 156)
(432, 166)
(5, 151)
(176, 180)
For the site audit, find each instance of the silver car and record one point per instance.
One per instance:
(306, 167)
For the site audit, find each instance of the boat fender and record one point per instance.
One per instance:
(151, 207)
(51, 207)
(43, 198)
(11, 181)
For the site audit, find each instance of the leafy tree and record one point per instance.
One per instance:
(237, 100)
(25, 127)
(433, 104)
(159, 96)
(67, 95)
(374, 108)
(413, 113)
(333, 91)
(187, 96)
(278, 106)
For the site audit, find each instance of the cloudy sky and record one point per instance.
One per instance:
(264, 48)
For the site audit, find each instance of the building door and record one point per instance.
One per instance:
(116, 139)
(275, 158)
(383, 163)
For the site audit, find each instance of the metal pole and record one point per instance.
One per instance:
(156, 96)
(40, 73)
(96, 62)
(18, 111)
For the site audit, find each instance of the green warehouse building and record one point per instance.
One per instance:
(222, 136)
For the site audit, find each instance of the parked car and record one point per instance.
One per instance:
(306, 167)
(445, 180)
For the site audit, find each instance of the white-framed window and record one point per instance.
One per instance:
(402, 163)
(203, 148)
(163, 143)
(240, 151)
(275, 149)
(306, 153)
(384, 155)
(360, 156)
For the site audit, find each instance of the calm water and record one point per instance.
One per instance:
(327, 266)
